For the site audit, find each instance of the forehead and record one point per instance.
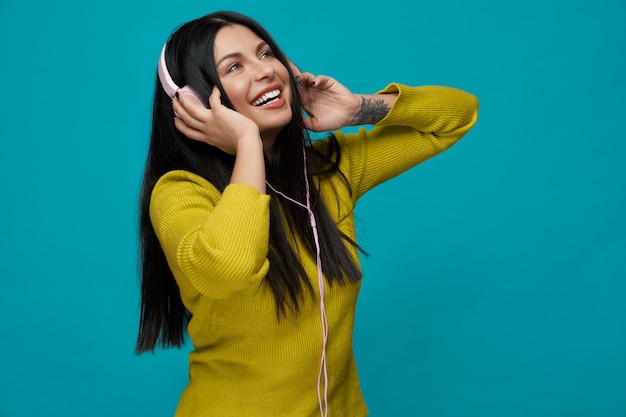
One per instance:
(235, 38)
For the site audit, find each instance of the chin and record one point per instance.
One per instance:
(276, 124)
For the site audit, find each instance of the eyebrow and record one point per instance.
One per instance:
(260, 46)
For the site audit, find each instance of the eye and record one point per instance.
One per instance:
(266, 54)
(232, 67)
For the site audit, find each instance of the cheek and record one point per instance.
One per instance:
(236, 92)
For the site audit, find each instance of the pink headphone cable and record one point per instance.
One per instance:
(320, 281)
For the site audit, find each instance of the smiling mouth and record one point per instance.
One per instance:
(267, 98)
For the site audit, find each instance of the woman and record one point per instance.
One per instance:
(247, 230)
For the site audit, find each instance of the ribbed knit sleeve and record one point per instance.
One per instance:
(216, 242)
(423, 122)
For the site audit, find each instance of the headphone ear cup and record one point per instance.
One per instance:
(191, 93)
(170, 86)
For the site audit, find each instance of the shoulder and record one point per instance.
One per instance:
(182, 185)
(184, 188)
(181, 177)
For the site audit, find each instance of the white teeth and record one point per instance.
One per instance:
(265, 97)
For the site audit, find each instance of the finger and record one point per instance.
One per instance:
(191, 104)
(215, 99)
(306, 78)
(186, 130)
(322, 82)
(183, 110)
(179, 109)
(304, 85)
(316, 81)
(310, 123)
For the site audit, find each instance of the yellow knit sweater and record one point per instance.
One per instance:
(246, 363)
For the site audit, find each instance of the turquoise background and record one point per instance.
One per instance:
(497, 281)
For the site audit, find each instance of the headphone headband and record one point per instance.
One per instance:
(168, 84)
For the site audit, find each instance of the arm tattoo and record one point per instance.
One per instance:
(372, 111)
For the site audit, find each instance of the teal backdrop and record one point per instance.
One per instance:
(496, 284)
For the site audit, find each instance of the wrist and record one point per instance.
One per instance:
(354, 110)
(372, 109)
(249, 143)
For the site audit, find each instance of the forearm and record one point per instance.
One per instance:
(249, 165)
(218, 240)
(442, 111)
(423, 122)
(373, 108)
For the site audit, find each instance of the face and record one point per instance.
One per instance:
(256, 82)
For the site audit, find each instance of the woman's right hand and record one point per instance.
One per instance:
(218, 126)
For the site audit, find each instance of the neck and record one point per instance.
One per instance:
(268, 140)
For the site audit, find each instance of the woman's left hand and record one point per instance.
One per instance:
(329, 104)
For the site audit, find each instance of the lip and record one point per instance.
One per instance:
(267, 90)
(274, 105)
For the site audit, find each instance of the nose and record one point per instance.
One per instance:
(263, 69)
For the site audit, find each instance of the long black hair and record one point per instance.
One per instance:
(190, 61)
